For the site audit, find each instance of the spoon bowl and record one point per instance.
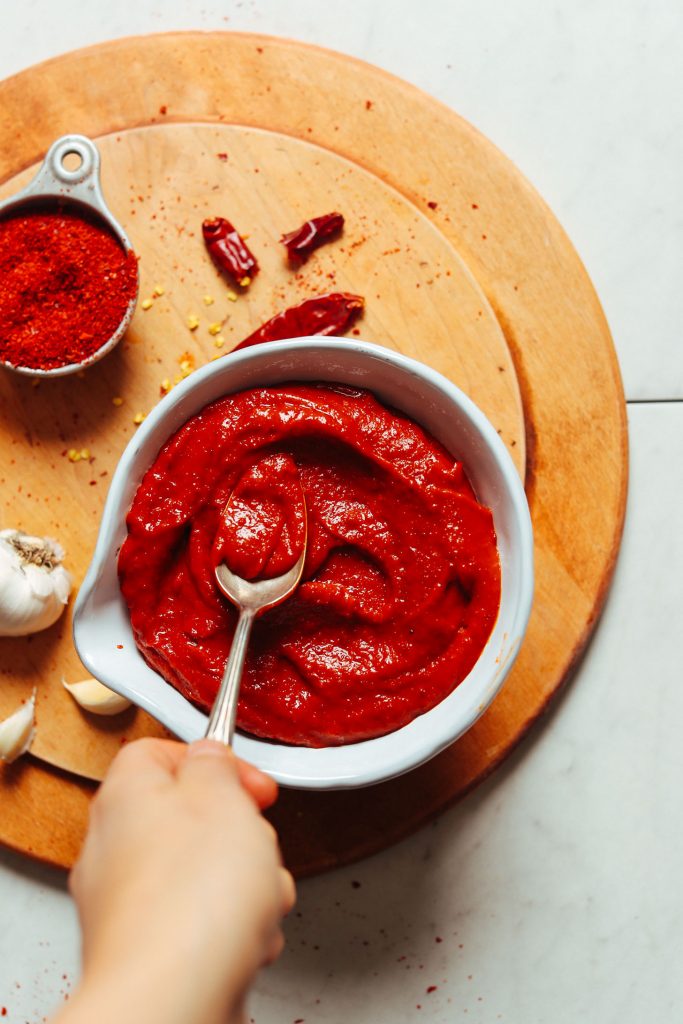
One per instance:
(260, 594)
(250, 598)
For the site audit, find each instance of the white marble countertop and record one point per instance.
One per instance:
(552, 894)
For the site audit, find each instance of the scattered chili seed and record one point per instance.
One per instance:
(187, 364)
(208, 300)
(165, 386)
(74, 455)
(147, 303)
(220, 341)
(159, 290)
(193, 321)
(138, 418)
(215, 328)
(229, 251)
(311, 235)
(232, 296)
(117, 400)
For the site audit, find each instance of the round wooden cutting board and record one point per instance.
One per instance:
(461, 265)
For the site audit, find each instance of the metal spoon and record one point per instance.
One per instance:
(251, 599)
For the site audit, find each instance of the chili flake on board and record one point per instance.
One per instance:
(65, 286)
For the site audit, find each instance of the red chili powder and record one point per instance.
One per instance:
(65, 285)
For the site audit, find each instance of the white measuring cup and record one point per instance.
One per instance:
(80, 190)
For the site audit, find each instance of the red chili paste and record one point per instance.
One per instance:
(262, 529)
(65, 286)
(401, 584)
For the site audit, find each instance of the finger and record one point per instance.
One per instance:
(260, 786)
(74, 879)
(288, 890)
(207, 764)
(147, 760)
(275, 946)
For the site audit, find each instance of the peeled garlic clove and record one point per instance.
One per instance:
(17, 731)
(95, 697)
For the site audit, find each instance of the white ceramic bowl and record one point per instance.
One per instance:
(101, 621)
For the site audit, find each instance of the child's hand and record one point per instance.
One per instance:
(179, 887)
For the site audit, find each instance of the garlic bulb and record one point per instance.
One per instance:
(16, 732)
(34, 585)
(95, 697)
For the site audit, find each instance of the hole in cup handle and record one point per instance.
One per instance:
(55, 179)
(86, 150)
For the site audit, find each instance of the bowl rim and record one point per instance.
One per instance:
(397, 757)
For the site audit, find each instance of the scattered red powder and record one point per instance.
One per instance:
(432, 988)
(432, 205)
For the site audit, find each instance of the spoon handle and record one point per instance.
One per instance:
(221, 725)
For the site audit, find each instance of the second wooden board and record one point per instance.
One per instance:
(162, 182)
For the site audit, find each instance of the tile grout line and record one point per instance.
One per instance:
(654, 401)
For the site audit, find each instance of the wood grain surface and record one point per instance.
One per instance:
(462, 265)
(161, 183)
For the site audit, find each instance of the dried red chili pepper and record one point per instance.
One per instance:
(65, 286)
(311, 235)
(229, 251)
(332, 313)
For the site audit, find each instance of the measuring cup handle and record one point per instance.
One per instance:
(79, 145)
(54, 178)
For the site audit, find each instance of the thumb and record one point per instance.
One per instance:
(208, 764)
